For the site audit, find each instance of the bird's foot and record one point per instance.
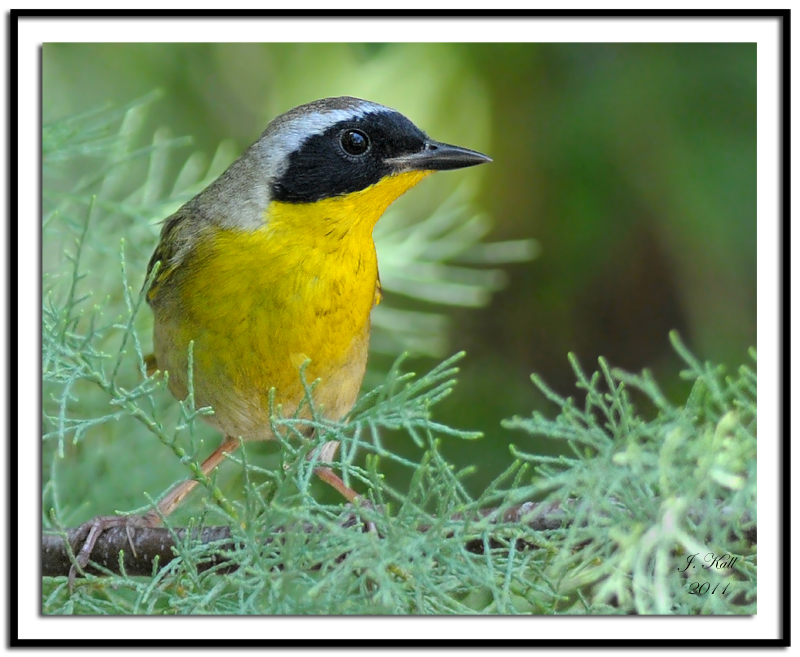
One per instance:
(90, 531)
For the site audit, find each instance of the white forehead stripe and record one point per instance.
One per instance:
(298, 129)
(275, 148)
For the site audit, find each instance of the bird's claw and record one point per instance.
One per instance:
(93, 529)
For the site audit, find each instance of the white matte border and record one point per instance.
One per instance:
(34, 31)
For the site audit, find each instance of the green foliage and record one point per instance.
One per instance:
(647, 493)
(636, 496)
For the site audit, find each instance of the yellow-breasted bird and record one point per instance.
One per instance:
(273, 265)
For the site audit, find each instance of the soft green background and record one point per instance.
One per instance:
(633, 166)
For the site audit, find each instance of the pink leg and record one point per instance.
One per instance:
(166, 506)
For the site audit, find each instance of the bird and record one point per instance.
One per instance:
(272, 268)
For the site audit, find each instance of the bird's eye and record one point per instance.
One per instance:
(354, 142)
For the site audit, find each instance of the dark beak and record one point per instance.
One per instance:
(436, 156)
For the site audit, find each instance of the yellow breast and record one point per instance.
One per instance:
(259, 303)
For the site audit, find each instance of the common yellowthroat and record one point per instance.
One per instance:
(274, 265)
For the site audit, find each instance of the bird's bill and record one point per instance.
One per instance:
(436, 156)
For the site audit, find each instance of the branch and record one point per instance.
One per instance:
(155, 546)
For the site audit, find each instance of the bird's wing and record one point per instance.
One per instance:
(169, 252)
